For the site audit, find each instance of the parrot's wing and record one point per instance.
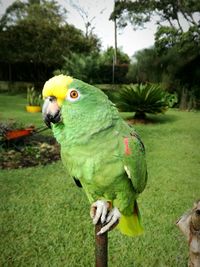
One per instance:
(134, 161)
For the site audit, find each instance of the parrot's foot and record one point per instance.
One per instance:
(100, 210)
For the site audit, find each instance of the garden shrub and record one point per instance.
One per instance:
(142, 99)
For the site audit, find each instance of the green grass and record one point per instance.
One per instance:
(44, 217)
(13, 108)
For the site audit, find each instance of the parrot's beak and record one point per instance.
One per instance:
(51, 111)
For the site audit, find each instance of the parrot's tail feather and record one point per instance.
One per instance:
(131, 225)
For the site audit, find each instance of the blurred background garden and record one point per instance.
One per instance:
(44, 218)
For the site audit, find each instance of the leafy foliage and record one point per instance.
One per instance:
(84, 67)
(185, 42)
(96, 67)
(107, 56)
(174, 13)
(174, 69)
(136, 12)
(49, 12)
(17, 40)
(171, 99)
(36, 32)
(173, 60)
(33, 98)
(141, 99)
(145, 67)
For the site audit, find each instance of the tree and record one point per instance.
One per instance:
(35, 32)
(177, 45)
(111, 68)
(88, 20)
(146, 66)
(47, 12)
(140, 12)
(107, 56)
(175, 13)
(84, 67)
(96, 67)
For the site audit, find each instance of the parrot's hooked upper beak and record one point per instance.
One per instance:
(51, 111)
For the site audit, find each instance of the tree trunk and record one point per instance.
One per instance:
(140, 115)
(189, 224)
(9, 72)
(184, 99)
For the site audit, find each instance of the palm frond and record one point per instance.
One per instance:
(142, 98)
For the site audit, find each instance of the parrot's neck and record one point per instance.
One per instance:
(83, 129)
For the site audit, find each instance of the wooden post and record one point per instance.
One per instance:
(189, 224)
(101, 247)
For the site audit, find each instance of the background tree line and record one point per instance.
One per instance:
(36, 41)
(174, 59)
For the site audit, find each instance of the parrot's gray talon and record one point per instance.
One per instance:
(113, 217)
(99, 210)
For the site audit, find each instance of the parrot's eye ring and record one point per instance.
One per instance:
(73, 95)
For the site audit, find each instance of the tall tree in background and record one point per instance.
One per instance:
(176, 13)
(182, 17)
(86, 15)
(177, 40)
(36, 32)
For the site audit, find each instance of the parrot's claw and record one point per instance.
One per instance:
(100, 210)
(111, 221)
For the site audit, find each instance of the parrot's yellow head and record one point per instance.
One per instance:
(64, 96)
(57, 87)
(54, 93)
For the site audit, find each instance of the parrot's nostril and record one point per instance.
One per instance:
(52, 98)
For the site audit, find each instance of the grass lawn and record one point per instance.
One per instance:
(44, 217)
(13, 107)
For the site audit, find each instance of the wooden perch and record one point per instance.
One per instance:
(189, 224)
(101, 247)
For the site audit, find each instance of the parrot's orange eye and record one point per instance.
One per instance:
(74, 94)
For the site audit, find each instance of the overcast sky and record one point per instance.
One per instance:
(128, 39)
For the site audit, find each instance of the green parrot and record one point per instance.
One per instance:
(99, 150)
